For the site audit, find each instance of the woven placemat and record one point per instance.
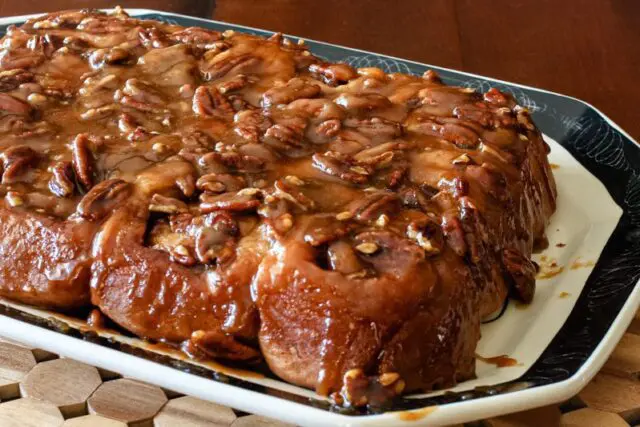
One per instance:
(39, 389)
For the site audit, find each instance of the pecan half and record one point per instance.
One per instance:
(459, 135)
(236, 82)
(12, 105)
(286, 138)
(234, 160)
(209, 102)
(251, 124)
(287, 190)
(295, 88)
(374, 204)
(198, 37)
(103, 198)
(143, 92)
(82, 160)
(164, 204)
(16, 161)
(334, 74)
(11, 79)
(62, 183)
(376, 128)
(362, 102)
(115, 55)
(153, 38)
(329, 128)
(325, 229)
(243, 200)
(220, 67)
(488, 117)
(341, 166)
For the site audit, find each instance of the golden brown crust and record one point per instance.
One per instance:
(238, 196)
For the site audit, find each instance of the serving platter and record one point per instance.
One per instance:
(586, 295)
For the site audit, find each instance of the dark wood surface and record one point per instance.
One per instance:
(583, 48)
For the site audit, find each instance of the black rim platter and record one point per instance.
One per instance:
(607, 153)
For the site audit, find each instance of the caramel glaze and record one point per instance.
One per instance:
(243, 199)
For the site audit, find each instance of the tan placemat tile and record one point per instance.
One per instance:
(63, 382)
(127, 400)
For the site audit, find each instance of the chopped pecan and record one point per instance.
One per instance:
(427, 234)
(524, 119)
(220, 183)
(360, 390)
(103, 198)
(295, 88)
(186, 184)
(431, 76)
(209, 102)
(47, 44)
(521, 274)
(334, 74)
(215, 243)
(82, 160)
(182, 255)
(456, 186)
(251, 124)
(374, 204)
(275, 211)
(164, 204)
(12, 105)
(362, 102)
(416, 198)
(221, 67)
(495, 97)
(11, 79)
(15, 162)
(241, 201)
(62, 180)
(198, 139)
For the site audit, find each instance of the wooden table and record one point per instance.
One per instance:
(586, 49)
(583, 48)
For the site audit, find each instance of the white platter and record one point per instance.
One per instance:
(586, 218)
